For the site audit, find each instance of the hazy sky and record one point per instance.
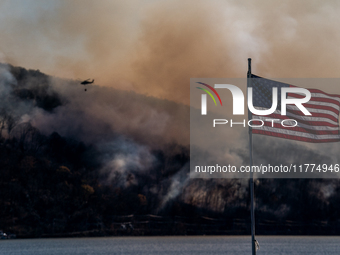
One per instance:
(154, 47)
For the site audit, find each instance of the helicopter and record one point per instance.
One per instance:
(88, 81)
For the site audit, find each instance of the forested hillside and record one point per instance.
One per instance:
(111, 162)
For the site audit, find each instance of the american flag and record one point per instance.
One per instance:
(320, 127)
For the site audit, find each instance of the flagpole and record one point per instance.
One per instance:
(251, 180)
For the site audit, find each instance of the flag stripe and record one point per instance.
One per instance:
(310, 106)
(321, 92)
(320, 99)
(313, 110)
(319, 121)
(310, 127)
(296, 133)
(315, 95)
(296, 129)
(318, 104)
(316, 123)
(295, 137)
(315, 114)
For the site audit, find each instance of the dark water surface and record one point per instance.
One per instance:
(180, 245)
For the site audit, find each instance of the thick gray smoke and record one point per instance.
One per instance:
(101, 113)
(155, 47)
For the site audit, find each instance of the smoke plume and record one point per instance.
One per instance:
(155, 47)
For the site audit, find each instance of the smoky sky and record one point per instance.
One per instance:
(155, 47)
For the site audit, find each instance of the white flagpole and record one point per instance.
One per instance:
(251, 180)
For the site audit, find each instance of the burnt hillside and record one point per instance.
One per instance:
(115, 162)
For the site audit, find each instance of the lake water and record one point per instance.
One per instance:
(186, 245)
